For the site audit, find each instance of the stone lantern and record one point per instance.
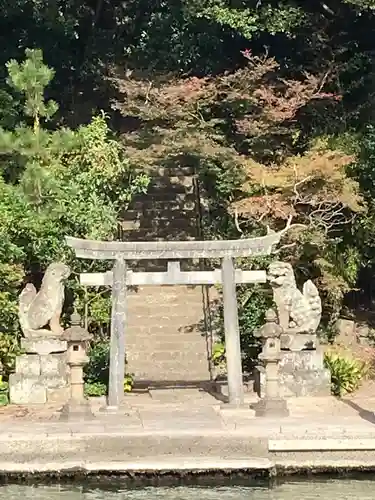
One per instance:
(271, 405)
(78, 406)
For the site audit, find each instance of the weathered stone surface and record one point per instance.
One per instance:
(53, 382)
(42, 308)
(271, 407)
(38, 371)
(54, 365)
(362, 333)
(346, 332)
(168, 337)
(90, 249)
(26, 390)
(76, 411)
(301, 374)
(291, 362)
(172, 277)
(43, 346)
(301, 365)
(28, 365)
(299, 342)
(58, 395)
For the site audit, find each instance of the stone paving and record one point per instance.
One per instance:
(191, 410)
(191, 429)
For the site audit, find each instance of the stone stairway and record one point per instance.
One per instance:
(168, 340)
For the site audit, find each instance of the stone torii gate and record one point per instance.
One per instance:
(120, 278)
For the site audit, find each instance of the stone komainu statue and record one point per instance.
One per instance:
(43, 308)
(299, 312)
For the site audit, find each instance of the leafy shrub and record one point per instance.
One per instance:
(54, 182)
(97, 369)
(4, 392)
(218, 356)
(128, 382)
(95, 389)
(346, 374)
(9, 349)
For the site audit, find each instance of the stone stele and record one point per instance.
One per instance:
(41, 371)
(301, 368)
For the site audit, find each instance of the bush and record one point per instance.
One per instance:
(128, 382)
(346, 374)
(95, 389)
(97, 369)
(4, 392)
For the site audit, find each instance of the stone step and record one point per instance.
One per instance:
(159, 235)
(172, 182)
(161, 266)
(146, 339)
(170, 192)
(178, 330)
(158, 214)
(166, 319)
(169, 171)
(177, 333)
(163, 301)
(175, 358)
(164, 315)
(154, 224)
(166, 344)
(169, 373)
(163, 339)
(167, 293)
(149, 203)
(165, 196)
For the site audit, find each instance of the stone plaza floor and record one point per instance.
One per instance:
(189, 426)
(192, 409)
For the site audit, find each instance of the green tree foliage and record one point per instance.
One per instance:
(54, 183)
(269, 100)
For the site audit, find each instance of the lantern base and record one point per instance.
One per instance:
(271, 407)
(76, 411)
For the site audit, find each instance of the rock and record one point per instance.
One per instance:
(346, 334)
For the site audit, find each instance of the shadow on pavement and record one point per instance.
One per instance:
(364, 414)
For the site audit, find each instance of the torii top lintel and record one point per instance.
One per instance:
(174, 250)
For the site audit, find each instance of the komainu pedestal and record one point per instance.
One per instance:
(301, 373)
(41, 372)
(301, 367)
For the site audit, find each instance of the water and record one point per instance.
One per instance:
(299, 490)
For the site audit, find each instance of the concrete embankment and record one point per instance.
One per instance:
(179, 454)
(182, 433)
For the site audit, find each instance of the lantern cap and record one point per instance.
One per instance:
(76, 333)
(271, 328)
